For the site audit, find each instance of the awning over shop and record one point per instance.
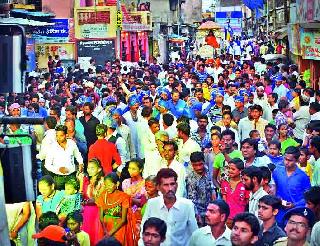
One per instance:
(281, 33)
(310, 25)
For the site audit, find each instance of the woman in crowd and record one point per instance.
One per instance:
(50, 198)
(135, 188)
(21, 223)
(91, 188)
(115, 214)
(284, 139)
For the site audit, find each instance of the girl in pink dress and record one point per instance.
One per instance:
(233, 190)
(92, 187)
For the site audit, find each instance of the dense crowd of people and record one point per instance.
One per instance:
(219, 151)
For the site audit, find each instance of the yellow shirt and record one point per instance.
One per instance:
(307, 169)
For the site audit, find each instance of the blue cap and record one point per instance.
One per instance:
(242, 92)
(163, 104)
(239, 99)
(303, 212)
(108, 100)
(133, 99)
(197, 106)
(111, 123)
(117, 111)
(83, 99)
(279, 77)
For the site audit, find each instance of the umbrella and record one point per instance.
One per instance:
(209, 25)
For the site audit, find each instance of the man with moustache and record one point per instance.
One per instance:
(299, 221)
(216, 232)
(177, 212)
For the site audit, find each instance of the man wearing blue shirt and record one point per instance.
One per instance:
(291, 182)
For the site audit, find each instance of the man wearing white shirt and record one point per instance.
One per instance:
(169, 125)
(188, 145)
(49, 137)
(216, 232)
(177, 212)
(59, 162)
(170, 149)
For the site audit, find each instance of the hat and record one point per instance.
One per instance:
(133, 99)
(111, 123)
(42, 100)
(239, 99)
(89, 84)
(14, 106)
(303, 212)
(52, 232)
(197, 106)
(163, 104)
(279, 77)
(117, 111)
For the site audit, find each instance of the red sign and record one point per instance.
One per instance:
(99, 17)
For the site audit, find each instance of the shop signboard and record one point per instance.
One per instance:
(119, 19)
(94, 31)
(101, 50)
(310, 45)
(57, 33)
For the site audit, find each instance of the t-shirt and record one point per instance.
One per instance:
(83, 238)
(287, 143)
(220, 163)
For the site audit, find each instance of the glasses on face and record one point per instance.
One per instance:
(300, 225)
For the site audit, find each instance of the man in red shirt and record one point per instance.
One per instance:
(105, 151)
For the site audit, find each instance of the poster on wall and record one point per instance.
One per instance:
(101, 50)
(310, 45)
(65, 51)
(31, 54)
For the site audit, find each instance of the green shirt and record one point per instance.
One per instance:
(315, 181)
(287, 143)
(20, 140)
(219, 161)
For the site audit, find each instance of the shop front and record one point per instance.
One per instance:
(135, 35)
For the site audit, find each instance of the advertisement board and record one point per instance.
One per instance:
(57, 33)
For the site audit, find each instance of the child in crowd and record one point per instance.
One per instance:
(274, 148)
(266, 178)
(71, 200)
(73, 223)
(233, 191)
(304, 163)
(151, 190)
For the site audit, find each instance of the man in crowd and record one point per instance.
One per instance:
(177, 212)
(216, 232)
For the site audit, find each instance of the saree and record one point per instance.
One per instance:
(112, 205)
(14, 213)
(136, 190)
